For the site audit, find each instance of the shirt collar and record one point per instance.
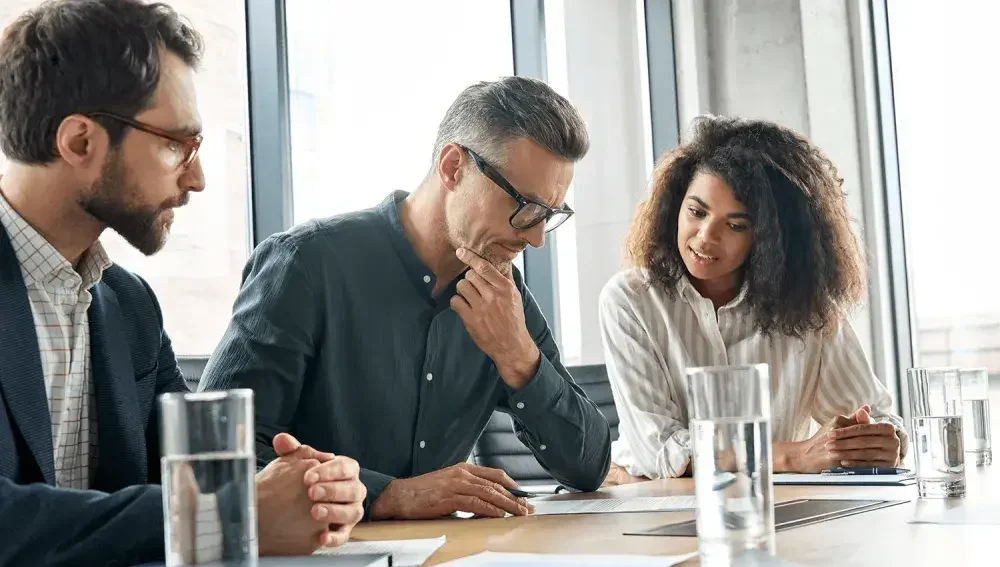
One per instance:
(41, 263)
(687, 290)
(421, 276)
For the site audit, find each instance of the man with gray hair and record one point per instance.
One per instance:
(391, 335)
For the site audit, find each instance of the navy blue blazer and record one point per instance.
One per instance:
(120, 521)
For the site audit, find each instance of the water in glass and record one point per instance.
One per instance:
(735, 510)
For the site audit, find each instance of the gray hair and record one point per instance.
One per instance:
(489, 114)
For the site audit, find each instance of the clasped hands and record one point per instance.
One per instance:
(852, 441)
(306, 499)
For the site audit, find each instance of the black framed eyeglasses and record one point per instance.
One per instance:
(529, 212)
(189, 145)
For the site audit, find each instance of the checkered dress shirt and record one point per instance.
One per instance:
(60, 297)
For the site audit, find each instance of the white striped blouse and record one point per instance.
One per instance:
(650, 338)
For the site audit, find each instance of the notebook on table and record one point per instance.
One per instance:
(366, 560)
(845, 480)
(787, 515)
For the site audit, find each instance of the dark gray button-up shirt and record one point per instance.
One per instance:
(337, 332)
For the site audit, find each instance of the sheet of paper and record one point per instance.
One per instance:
(614, 505)
(493, 559)
(856, 479)
(405, 552)
(961, 515)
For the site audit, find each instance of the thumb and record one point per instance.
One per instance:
(863, 415)
(284, 444)
(842, 421)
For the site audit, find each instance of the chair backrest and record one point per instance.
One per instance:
(499, 448)
(191, 369)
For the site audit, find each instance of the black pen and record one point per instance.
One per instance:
(865, 471)
(520, 493)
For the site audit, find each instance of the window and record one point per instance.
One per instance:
(368, 84)
(570, 332)
(197, 275)
(945, 124)
(602, 75)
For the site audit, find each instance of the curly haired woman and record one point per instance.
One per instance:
(743, 254)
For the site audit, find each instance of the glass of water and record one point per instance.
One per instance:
(208, 465)
(730, 411)
(937, 438)
(976, 412)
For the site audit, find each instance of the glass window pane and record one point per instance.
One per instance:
(369, 82)
(944, 93)
(197, 274)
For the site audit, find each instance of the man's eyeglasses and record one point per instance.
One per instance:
(529, 212)
(187, 145)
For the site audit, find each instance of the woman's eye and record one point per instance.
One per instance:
(739, 227)
(174, 146)
(696, 212)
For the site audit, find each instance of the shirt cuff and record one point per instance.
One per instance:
(677, 453)
(375, 482)
(208, 539)
(543, 390)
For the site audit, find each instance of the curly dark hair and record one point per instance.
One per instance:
(805, 270)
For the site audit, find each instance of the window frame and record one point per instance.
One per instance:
(902, 342)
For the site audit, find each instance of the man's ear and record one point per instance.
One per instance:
(80, 141)
(449, 165)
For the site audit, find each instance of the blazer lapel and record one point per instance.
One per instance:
(121, 436)
(21, 377)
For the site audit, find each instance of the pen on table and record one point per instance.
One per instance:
(866, 471)
(520, 493)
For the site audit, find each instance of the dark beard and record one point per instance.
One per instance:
(117, 205)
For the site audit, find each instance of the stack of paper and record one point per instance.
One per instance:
(492, 559)
(405, 552)
(614, 505)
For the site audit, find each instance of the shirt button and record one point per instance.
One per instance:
(542, 447)
(422, 444)
(427, 279)
(520, 405)
(430, 376)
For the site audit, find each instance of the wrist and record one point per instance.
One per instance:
(517, 371)
(786, 456)
(383, 508)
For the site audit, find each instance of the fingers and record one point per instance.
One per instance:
(870, 454)
(469, 292)
(480, 265)
(499, 489)
(284, 444)
(866, 464)
(339, 491)
(337, 468)
(460, 305)
(863, 415)
(885, 442)
(496, 475)
(341, 514)
(500, 499)
(864, 429)
(475, 505)
(335, 538)
(485, 289)
(842, 421)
